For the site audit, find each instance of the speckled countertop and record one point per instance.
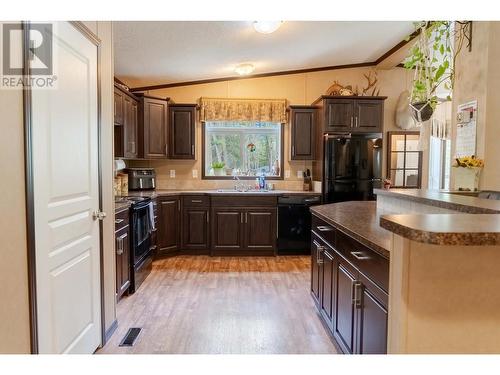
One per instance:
(476, 223)
(156, 193)
(121, 205)
(457, 202)
(359, 220)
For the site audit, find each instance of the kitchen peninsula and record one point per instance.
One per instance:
(424, 262)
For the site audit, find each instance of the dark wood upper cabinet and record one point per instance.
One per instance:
(153, 129)
(126, 124)
(118, 107)
(303, 132)
(351, 114)
(169, 208)
(369, 115)
(181, 131)
(339, 115)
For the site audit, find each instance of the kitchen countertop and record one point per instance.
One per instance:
(121, 205)
(446, 229)
(159, 192)
(476, 223)
(462, 203)
(359, 220)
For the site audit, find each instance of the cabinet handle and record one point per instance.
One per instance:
(166, 150)
(246, 217)
(351, 121)
(118, 221)
(324, 228)
(293, 150)
(359, 255)
(356, 121)
(192, 149)
(241, 217)
(356, 294)
(196, 201)
(319, 249)
(208, 217)
(179, 204)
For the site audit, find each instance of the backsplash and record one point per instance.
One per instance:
(184, 179)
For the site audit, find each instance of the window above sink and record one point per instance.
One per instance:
(246, 149)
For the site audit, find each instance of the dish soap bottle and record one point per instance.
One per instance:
(262, 181)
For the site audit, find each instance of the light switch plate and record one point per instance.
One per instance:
(172, 173)
(195, 173)
(300, 174)
(287, 173)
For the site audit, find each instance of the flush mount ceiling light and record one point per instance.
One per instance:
(244, 69)
(266, 27)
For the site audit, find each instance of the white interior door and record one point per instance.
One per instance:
(66, 193)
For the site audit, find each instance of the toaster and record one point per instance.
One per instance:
(141, 178)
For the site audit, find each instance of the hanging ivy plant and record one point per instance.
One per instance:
(433, 60)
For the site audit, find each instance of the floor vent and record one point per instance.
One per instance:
(130, 337)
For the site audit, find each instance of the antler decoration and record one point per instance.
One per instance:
(372, 84)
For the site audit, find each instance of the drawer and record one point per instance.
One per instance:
(371, 264)
(195, 201)
(323, 229)
(121, 220)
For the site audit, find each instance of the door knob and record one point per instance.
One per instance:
(98, 215)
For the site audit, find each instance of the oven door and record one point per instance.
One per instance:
(141, 232)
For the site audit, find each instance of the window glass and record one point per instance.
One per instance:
(242, 148)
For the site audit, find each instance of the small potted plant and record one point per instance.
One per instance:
(218, 167)
(467, 172)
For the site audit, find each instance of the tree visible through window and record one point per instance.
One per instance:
(242, 148)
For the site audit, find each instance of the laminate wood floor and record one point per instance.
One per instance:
(228, 305)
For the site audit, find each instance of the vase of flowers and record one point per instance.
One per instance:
(467, 172)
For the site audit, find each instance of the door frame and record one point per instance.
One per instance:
(29, 191)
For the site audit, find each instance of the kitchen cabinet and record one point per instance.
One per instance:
(260, 229)
(243, 225)
(303, 132)
(122, 253)
(353, 114)
(181, 131)
(169, 208)
(195, 224)
(126, 131)
(349, 284)
(153, 129)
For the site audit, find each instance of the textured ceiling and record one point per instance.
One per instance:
(148, 53)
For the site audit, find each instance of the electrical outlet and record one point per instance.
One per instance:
(172, 173)
(300, 174)
(195, 173)
(287, 173)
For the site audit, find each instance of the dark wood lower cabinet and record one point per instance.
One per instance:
(195, 222)
(227, 230)
(260, 229)
(122, 253)
(169, 208)
(352, 305)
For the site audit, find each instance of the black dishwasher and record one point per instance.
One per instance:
(294, 223)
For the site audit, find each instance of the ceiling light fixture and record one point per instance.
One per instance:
(244, 69)
(266, 27)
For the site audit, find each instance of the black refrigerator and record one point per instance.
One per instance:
(352, 167)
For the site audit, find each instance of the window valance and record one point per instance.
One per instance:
(217, 109)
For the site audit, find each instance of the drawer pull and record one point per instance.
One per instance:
(324, 228)
(196, 201)
(356, 294)
(118, 221)
(319, 249)
(359, 255)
